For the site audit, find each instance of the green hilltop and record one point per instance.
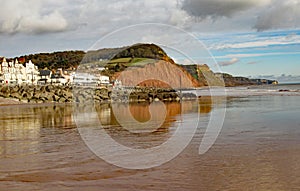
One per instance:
(72, 59)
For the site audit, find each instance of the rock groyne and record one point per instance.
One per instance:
(67, 94)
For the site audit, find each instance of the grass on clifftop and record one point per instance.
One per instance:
(132, 62)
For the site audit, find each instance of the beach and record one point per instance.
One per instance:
(257, 148)
(189, 95)
(7, 101)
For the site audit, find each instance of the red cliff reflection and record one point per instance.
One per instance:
(140, 112)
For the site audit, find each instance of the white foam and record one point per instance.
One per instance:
(250, 91)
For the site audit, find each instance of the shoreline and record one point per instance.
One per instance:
(50, 94)
(9, 101)
(14, 102)
(37, 94)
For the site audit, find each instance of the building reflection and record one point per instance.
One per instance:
(19, 131)
(60, 116)
(20, 126)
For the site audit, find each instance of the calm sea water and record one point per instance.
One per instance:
(258, 147)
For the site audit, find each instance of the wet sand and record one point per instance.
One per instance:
(8, 101)
(257, 149)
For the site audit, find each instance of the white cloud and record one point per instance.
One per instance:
(228, 63)
(251, 55)
(35, 16)
(259, 42)
(116, 14)
(29, 17)
(83, 22)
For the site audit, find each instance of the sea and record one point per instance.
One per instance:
(236, 138)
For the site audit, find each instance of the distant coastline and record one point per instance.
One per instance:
(60, 67)
(50, 77)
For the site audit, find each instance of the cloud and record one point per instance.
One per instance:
(281, 14)
(254, 62)
(114, 13)
(83, 22)
(288, 78)
(259, 42)
(29, 17)
(230, 62)
(257, 14)
(101, 17)
(284, 78)
(251, 55)
(218, 8)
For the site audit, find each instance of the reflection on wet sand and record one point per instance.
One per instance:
(56, 116)
(140, 112)
(40, 145)
(21, 126)
(258, 149)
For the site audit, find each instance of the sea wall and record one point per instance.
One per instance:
(36, 93)
(66, 94)
(52, 93)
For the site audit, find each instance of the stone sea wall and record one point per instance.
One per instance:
(67, 94)
(37, 94)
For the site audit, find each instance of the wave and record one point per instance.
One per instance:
(282, 90)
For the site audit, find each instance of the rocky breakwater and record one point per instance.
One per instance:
(149, 94)
(51, 93)
(36, 93)
(66, 94)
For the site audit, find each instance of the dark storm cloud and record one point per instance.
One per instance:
(216, 8)
(281, 14)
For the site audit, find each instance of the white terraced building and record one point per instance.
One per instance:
(15, 73)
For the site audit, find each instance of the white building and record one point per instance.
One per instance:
(86, 79)
(15, 73)
(104, 80)
(32, 73)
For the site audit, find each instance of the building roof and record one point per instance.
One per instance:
(45, 72)
(55, 76)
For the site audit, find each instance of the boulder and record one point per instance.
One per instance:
(55, 97)
(26, 95)
(49, 88)
(5, 89)
(15, 95)
(62, 100)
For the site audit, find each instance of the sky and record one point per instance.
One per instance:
(252, 38)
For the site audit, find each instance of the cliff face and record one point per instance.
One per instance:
(230, 80)
(203, 75)
(162, 71)
(158, 74)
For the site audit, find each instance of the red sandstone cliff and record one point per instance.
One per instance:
(159, 74)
